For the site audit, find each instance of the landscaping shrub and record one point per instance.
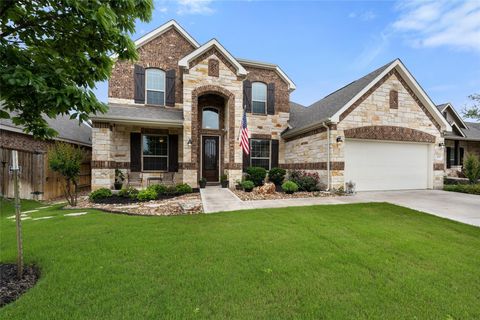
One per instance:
(248, 185)
(289, 187)
(257, 175)
(99, 194)
(171, 190)
(277, 175)
(183, 188)
(464, 188)
(159, 188)
(471, 168)
(147, 194)
(306, 181)
(129, 192)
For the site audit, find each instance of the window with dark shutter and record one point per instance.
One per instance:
(274, 156)
(139, 84)
(173, 153)
(135, 152)
(449, 157)
(170, 88)
(271, 98)
(247, 95)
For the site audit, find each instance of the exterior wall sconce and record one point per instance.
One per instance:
(441, 144)
(339, 139)
(189, 142)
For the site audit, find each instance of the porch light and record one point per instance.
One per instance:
(189, 142)
(441, 144)
(339, 139)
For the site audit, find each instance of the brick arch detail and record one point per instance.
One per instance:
(390, 133)
(230, 104)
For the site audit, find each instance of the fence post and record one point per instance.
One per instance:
(15, 168)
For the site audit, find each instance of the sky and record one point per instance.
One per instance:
(324, 45)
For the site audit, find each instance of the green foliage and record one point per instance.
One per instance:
(66, 159)
(306, 181)
(159, 188)
(147, 195)
(100, 194)
(464, 188)
(53, 53)
(183, 188)
(248, 185)
(129, 192)
(289, 187)
(256, 175)
(473, 112)
(223, 177)
(119, 176)
(277, 175)
(471, 168)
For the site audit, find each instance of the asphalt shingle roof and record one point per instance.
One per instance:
(329, 105)
(142, 112)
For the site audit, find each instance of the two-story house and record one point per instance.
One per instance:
(179, 109)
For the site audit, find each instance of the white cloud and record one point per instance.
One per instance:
(440, 23)
(194, 7)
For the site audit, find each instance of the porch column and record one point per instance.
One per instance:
(102, 141)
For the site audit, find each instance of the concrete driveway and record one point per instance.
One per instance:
(451, 205)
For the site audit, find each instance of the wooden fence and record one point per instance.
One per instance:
(37, 181)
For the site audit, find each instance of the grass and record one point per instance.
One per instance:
(359, 261)
(463, 188)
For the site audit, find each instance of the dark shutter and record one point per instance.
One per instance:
(274, 155)
(135, 152)
(462, 154)
(170, 88)
(449, 153)
(456, 154)
(139, 84)
(271, 98)
(246, 159)
(173, 153)
(247, 95)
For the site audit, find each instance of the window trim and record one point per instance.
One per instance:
(155, 156)
(155, 90)
(262, 158)
(266, 98)
(218, 113)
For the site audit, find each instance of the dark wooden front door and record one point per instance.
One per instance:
(210, 157)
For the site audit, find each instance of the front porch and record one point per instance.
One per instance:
(455, 152)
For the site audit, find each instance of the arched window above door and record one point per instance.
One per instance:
(210, 118)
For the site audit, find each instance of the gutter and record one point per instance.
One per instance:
(328, 155)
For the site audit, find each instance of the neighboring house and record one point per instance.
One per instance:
(179, 109)
(37, 181)
(464, 138)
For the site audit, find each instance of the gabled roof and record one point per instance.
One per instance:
(444, 106)
(264, 65)
(333, 105)
(185, 61)
(470, 134)
(69, 130)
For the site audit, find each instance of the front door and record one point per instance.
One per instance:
(210, 158)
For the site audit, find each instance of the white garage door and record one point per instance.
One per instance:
(386, 165)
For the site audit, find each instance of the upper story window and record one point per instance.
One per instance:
(259, 97)
(155, 86)
(210, 119)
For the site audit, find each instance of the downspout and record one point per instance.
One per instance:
(328, 155)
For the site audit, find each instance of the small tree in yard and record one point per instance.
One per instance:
(66, 159)
(471, 168)
(473, 111)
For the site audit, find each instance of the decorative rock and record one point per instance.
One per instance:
(267, 188)
(75, 214)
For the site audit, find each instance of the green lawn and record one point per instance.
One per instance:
(332, 262)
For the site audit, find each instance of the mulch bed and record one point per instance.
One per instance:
(254, 195)
(11, 288)
(124, 200)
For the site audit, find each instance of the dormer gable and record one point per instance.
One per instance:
(451, 115)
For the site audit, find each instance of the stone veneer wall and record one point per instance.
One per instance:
(163, 52)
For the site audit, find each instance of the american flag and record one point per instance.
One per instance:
(244, 134)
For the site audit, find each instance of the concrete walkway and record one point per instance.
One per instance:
(451, 205)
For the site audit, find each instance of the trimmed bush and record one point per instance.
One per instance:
(100, 194)
(305, 181)
(463, 188)
(129, 192)
(289, 187)
(147, 194)
(248, 185)
(183, 188)
(159, 188)
(471, 168)
(257, 175)
(277, 175)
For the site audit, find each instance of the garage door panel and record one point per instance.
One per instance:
(386, 166)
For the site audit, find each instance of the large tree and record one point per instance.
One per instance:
(53, 51)
(473, 111)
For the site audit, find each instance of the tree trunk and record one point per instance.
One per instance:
(19, 225)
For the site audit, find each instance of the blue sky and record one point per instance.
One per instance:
(323, 45)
